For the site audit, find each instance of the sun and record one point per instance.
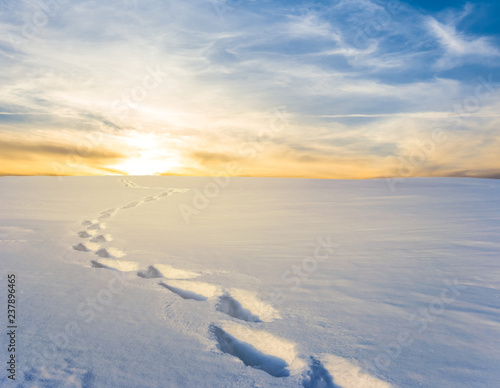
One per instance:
(150, 156)
(141, 166)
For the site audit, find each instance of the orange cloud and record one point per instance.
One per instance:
(31, 157)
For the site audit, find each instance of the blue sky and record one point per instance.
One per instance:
(323, 89)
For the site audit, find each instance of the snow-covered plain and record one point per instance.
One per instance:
(146, 282)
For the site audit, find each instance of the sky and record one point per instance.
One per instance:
(347, 89)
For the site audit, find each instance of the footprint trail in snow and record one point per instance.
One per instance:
(241, 333)
(94, 228)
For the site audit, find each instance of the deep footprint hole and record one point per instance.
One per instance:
(230, 306)
(184, 294)
(317, 376)
(249, 354)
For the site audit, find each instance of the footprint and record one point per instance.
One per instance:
(246, 305)
(129, 183)
(184, 294)
(96, 264)
(230, 306)
(110, 252)
(345, 374)
(107, 213)
(62, 376)
(117, 265)
(101, 238)
(97, 226)
(167, 271)
(87, 247)
(103, 253)
(84, 234)
(257, 349)
(317, 376)
(191, 290)
(150, 273)
(86, 223)
(80, 247)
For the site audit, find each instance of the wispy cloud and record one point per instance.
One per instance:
(459, 44)
(203, 86)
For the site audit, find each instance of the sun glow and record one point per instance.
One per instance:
(150, 156)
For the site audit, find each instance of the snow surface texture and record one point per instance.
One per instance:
(260, 283)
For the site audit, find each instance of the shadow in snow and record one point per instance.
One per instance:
(150, 273)
(184, 294)
(249, 354)
(317, 376)
(96, 264)
(230, 306)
